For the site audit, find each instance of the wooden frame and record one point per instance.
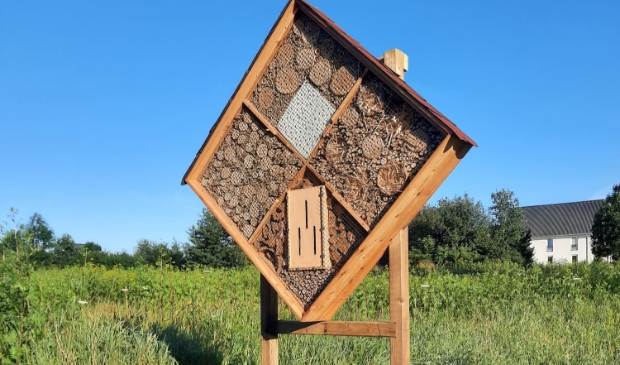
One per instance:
(397, 330)
(436, 169)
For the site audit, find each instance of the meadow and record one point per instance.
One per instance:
(492, 313)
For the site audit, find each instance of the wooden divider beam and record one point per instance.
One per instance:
(334, 328)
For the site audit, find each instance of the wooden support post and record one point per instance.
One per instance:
(397, 61)
(399, 298)
(268, 313)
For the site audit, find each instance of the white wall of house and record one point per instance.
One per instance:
(562, 251)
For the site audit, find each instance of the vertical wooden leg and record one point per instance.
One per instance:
(268, 312)
(399, 298)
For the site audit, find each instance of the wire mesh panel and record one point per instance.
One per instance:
(374, 149)
(305, 119)
(249, 171)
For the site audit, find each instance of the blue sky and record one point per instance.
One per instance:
(103, 105)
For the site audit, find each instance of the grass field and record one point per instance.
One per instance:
(476, 314)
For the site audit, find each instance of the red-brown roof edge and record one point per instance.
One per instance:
(374, 64)
(183, 182)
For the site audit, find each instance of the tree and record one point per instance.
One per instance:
(152, 253)
(510, 235)
(455, 230)
(66, 252)
(41, 235)
(460, 229)
(606, 227)
(210, 245)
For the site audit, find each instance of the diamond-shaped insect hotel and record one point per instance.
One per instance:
(319, 159)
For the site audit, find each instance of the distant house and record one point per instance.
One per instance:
(561, 232)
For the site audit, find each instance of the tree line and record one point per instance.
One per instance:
(448, 232)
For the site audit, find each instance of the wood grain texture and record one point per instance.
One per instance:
(396, 60)
(416, 194)
(234, 232)
(399, 297)
(248, 83)
(335, 328)
(268, 314)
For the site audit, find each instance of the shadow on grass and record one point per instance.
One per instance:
(197, 346)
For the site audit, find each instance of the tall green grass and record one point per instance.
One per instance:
(494, 313)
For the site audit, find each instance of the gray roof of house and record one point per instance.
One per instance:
(561, 219)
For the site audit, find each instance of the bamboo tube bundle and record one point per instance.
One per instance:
(249, 172)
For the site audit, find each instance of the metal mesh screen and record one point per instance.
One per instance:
(305, 118)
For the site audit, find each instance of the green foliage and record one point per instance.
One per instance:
(158, 254)
(42, 236)
(211, 246)
(606, 227)
(461, 230)
(66, 252)
(455, 230)
(17, 318)
(468, 313)
(509, 233)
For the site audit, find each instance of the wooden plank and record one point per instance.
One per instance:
(399, 297)
(305, 235)
(412, 199)
(335, 328)
(268, 314)
(397, 61)
(296, 307)
(248, 83)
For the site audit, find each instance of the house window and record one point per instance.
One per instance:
(550, 260)
(550, 245)
(575, 258)
(575, 244)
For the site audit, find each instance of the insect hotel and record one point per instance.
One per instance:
(316, 166)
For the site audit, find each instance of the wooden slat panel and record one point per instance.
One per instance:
(412, 199)
(252, 254)
(399, 297)
(268, 314)
(335, 328)
(305, 235)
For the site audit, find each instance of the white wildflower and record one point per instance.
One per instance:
(82, 302)
(576, 279)
(125, 290)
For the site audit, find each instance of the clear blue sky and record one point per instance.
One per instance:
(103, 104)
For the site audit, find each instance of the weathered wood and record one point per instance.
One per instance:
(335, 328)
(230, 227)
(268, 314)
(397, 61)
(416, 194)
(399, 298)
(280, 30)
